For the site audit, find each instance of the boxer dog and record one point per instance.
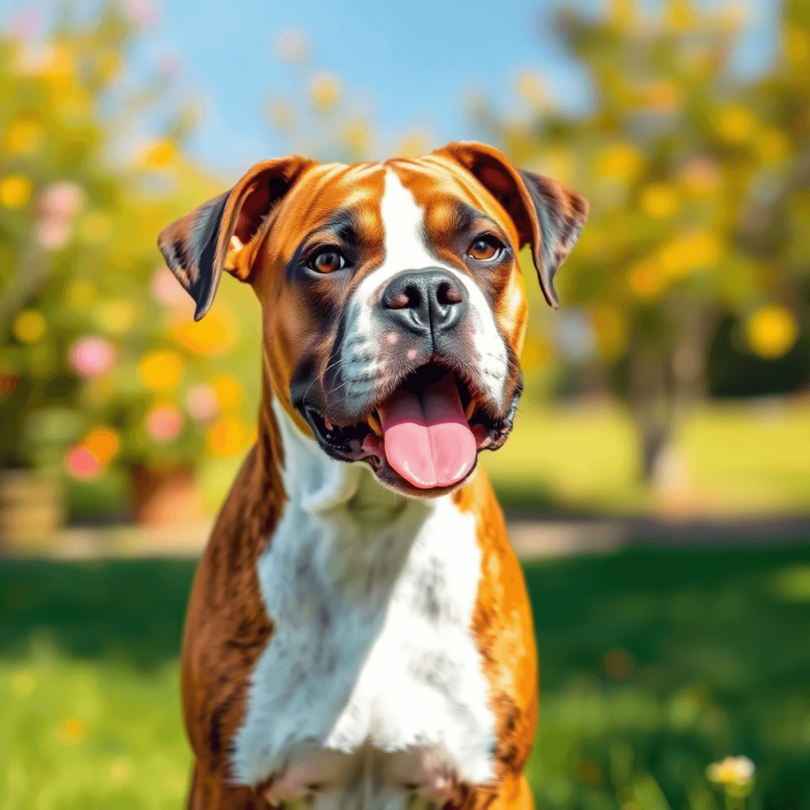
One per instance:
(359, 633)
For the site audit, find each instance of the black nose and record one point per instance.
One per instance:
(424, 301)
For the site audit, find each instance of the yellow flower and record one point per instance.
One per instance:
(23, 137)
(690, 252)
(412, 146)
(29, 325)
(103, 443)
(161, 370)
(611, 330)
(619, 161)
(659, 201)
(646, 281)
(228, 392)
(731, 771)
(212, 335)
(324, 92)
(355, 136)
(531, 88)
(72, 730)
(15, 191)
(736, 124)
(159, 155)
(58, 67)
(771, 331)
(680, 16)
(227, 436)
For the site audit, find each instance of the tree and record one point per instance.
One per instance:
(673, 158)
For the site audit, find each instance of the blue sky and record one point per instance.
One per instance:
(412, 66)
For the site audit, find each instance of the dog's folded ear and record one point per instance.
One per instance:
(548, 216)
(218, 234)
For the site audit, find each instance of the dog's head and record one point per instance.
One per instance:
(393, 304)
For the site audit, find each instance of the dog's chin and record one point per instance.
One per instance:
(422, 437)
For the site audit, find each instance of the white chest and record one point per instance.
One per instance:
(371, 683)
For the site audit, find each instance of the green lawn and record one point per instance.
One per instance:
(654, 663)
(726, 459)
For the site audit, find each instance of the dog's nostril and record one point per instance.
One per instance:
(448, 294)
(400, 301)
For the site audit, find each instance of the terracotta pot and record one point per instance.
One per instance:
(32, 508)
(166, 496)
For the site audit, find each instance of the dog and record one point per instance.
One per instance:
(359, 632)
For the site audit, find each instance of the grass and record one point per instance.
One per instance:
(726, 459)
(655, 662)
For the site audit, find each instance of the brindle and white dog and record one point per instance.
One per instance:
(359, 633)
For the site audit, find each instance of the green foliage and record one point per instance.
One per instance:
(101, 367)
(654, 663)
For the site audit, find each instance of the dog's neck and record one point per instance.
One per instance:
(320, 485)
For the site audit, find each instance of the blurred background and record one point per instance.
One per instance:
(658, 481)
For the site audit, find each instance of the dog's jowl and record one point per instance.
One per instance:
(359, 634)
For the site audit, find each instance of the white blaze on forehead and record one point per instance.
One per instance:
(405, 249)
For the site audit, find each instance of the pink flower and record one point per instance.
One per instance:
(166, 289)
(202, 403)
(82, 464)
(164, 423)
(91, 356)
(53, 232)
(61, 200)
(291, 46)
(144, 12)
(28, 24)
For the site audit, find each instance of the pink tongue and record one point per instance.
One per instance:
(426, 438)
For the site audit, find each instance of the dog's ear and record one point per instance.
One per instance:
(548, 216)
(218, 234)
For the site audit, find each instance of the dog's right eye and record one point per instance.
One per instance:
(327, 261)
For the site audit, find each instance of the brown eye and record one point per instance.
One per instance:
(485, 249)
(327, 261)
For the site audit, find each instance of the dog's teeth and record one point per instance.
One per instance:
(374, 423)
(470, 409)
(328, 424)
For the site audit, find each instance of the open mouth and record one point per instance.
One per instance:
(428, 431)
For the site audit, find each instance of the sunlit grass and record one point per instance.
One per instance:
(89, 734)
(654, 663)
(730, 459)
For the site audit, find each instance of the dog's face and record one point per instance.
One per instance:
(393, 304)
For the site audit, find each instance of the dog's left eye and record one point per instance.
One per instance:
(327, 261)
(485, 249)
